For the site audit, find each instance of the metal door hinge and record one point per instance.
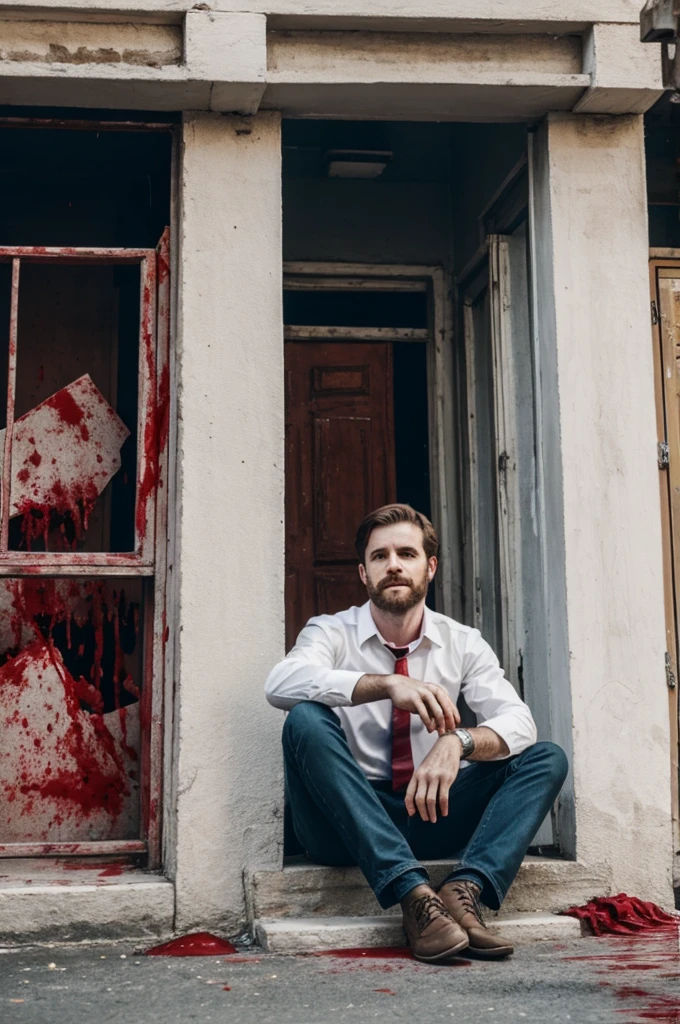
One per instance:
(670, 674)
(663, 455)
(655, 314)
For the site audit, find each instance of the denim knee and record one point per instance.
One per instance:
(553, 759)
(304, 721)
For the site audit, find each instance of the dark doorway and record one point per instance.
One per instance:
(357, 433)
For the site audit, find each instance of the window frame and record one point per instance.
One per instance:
(149, 558)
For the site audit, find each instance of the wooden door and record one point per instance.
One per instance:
(340, 464)
(665, 288)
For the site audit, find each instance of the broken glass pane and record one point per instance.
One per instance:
(74, 448)
(71, 709)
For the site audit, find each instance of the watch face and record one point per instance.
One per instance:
(467, 741)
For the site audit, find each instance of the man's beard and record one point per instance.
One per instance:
(388, 600)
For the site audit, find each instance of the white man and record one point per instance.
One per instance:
(379, 772)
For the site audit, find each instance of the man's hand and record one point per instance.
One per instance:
(431, 702)
(433, 779)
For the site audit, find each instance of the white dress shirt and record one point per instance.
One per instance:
(333, 652)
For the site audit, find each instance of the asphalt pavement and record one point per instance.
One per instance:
(617, 980)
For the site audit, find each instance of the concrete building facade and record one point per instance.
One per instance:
(511, 193)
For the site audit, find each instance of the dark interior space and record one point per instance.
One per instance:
(662, 148)
(84, 188)
(75, 188)
(356, 309)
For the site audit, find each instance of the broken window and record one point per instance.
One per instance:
(78, 367)
(71, 700)
(84, 384)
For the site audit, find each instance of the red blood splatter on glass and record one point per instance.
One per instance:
(85, 782)
(74, 505)
(66, 406)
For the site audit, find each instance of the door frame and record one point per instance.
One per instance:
(444, 468)
(667, 259)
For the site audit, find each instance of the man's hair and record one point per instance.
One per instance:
(387, 515)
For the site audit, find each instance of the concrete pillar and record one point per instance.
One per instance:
(594, 325)
(229, 602)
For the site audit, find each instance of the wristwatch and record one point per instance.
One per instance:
(467, 742)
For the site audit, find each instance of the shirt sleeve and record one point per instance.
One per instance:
(493, 698)
(308, 672)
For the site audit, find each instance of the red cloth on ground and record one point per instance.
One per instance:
(622, 915)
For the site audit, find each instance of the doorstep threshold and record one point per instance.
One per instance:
(319, 934)
(57, 900)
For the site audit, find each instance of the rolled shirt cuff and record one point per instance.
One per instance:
(518, 734)
(336, 687)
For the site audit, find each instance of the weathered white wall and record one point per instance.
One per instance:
(591, 185)
(79, 42)
(230, 543)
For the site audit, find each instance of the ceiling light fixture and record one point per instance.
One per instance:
(356, 163)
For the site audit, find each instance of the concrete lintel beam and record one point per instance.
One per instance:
(421, 76)
(498, 15)
(626, 75)
(515, 100)
(219, 64)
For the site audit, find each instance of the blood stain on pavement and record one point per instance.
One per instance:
(379, 958)
(653, 952)
(196, 944)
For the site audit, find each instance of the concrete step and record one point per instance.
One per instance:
(45, 900)
(305, 890)
(315, 934)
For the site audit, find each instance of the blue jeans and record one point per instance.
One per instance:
(342, 818)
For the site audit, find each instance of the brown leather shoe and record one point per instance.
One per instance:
(461, 899)
(432, 933)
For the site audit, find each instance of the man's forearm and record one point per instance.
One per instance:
(370, 688)
(489, 746)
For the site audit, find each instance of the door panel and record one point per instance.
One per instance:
(665, 293)
(340, 464)
(506, 555)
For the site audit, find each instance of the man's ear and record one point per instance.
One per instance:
(431, 568)
(362, 573)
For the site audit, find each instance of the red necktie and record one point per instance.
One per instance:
(402, 755)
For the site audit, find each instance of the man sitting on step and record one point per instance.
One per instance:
(379, 773)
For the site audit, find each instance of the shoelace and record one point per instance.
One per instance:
(467, 893)
(425, 909)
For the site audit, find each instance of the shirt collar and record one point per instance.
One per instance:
(366, 627)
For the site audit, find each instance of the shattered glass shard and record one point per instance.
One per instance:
(64, 453)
